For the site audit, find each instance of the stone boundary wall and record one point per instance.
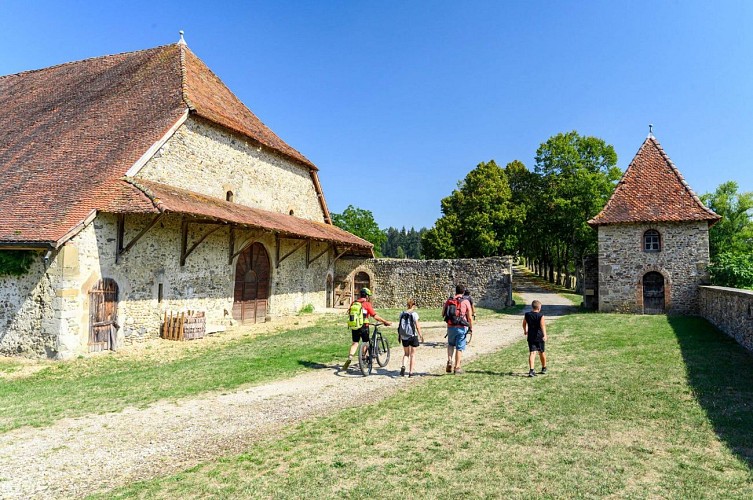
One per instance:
(431, 282)
(730, 310)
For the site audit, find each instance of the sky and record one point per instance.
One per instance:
(396, 101)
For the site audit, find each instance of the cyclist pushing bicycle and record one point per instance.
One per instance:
(359, 313)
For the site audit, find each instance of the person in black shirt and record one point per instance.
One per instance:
(534, 327)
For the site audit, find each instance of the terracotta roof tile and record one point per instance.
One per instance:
(69, 132)
(653, 190)
(132, 193)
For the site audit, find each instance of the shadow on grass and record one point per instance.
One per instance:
(315, 366)
(720, 373)
(499, 374)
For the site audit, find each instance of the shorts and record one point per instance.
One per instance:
(362, 334)
(411, 342)
(456, 337)
(537, 345)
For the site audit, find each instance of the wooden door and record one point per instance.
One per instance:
(251, 294)
(103, 313)
(360, 280)
(653, 293)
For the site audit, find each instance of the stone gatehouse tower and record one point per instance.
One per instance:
(653, 239)
(142, 185)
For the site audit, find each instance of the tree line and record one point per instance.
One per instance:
(541, 214)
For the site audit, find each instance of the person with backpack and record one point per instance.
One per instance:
(409, 330)
(459, 318)
(534, 327)
(467, 296)
(359, 312)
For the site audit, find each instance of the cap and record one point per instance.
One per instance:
(365, 292)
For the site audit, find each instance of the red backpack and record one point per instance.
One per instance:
(452, 314)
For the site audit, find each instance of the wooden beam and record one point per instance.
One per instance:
(337, 256)
(231, 253)
(290, 252)
(142, 233)
(119, 237)
(308, 252)
(198, 242)
(277, 250)
(183, 240)
(309, 261)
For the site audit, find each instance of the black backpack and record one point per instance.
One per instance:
(452, 312)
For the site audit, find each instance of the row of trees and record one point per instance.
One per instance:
(542, 214)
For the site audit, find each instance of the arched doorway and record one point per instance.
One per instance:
(653, 293)
(360, 280)
(103, 315)
(251, 285)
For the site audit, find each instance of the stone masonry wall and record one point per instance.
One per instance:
(730, 310)
(683, 262)
(24, 301)
(211, 161)
(431, 282)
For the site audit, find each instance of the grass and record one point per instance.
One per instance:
(47, 391)
(633, 407)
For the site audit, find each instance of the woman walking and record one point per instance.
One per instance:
(409, 331)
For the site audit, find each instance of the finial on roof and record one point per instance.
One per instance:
(650, 130)
(182, 41)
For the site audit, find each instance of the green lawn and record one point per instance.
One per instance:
(110, 382)
(633, 407)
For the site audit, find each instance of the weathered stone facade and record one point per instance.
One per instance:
(623, 263)
(730, 310)
(46, 312)
(211, 161)
(430, 282)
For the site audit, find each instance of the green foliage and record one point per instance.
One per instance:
(403, 244)
(307, 309)
(361, 223)
(477, 217)
(734, 233)
(733, 270)
(15, 262)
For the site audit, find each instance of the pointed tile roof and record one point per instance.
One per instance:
(70, 132)
(653, 190)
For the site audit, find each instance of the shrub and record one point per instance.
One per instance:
(732, 269)
(307, 309)
(15, 262)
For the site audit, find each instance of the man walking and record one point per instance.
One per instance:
(459, 318)
(362, 333)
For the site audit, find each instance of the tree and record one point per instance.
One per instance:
(361, 223)
(734, 232)
(477, 217)
(578, 175)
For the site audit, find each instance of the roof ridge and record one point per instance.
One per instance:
(183, 81)
(679, 175)
(28, 71)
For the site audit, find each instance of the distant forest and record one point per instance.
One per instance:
(403, 244)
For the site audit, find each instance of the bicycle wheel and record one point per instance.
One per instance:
(382, 348)
(365, 362)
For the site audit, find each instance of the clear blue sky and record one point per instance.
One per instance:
(404, 98)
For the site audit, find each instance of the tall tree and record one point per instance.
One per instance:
(578, 175)
(477, 217)
(734, 233)
(361, 223)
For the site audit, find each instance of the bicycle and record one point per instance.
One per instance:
(378, 348)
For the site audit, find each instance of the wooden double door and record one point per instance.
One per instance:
(103, 314)
(252, 276)
(653, 293)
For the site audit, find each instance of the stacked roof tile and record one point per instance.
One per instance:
(653, 190)
(71, 132)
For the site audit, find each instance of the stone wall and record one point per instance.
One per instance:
(683, 262)
(591, 282)
(430, 282)
(211, 161)
(730, 310)
(24, 301)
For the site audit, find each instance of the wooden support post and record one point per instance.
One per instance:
(277, 250)
(326, 250)
(183, 241)
(231, 254)
(308, 252)
(141, 233)
(119, 237)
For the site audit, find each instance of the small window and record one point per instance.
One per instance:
(229, 196)
(651, 241)
(291, 212)
(160, 293)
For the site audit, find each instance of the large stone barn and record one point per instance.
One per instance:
(653, 237)
(140, 185)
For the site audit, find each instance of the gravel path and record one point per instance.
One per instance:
(78, 456)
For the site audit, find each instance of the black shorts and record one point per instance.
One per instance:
(362, 334)
(411, 342)
(537, 345)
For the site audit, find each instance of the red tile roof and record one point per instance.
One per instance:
(142, 196)
(70, 132)
(653, 190)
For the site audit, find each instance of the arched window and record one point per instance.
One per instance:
(229, 196)
(651, 241)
